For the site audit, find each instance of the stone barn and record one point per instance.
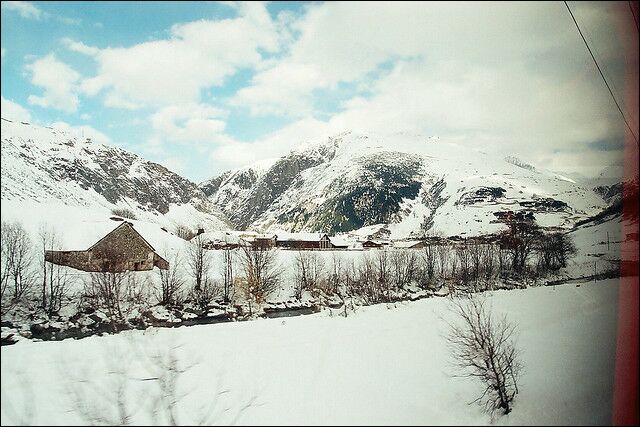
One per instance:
(121, 249)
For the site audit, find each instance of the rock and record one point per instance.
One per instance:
(45, 330)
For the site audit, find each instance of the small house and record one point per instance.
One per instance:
(371, 244)
(257, 240)
(339, 242)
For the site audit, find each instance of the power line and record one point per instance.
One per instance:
(601, 74)
(633, 14)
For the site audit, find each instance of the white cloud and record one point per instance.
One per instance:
(174, 164)
(13, 111)
(495, 109)
(198, 55)
(28, 10)
(69, 21)
(346, 42)
(234, 154)
(3, 50)
(59, 82)
(85, 116)
(284, 89)
(514, 77)
(25, 9)
(80, 47)
(190, 123)
(83, 131)
(114, 100)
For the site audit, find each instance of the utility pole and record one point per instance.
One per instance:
(595, 271)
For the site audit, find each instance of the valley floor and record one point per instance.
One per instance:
(384, 364)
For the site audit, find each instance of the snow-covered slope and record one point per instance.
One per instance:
(53, 167)
(411, 184)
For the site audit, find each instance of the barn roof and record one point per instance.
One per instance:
(340, 241)
(82, 235)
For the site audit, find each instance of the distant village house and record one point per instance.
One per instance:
(303, 241)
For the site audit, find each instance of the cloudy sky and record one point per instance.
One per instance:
(206, 86)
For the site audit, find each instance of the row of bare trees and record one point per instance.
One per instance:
(467, 266)
(247, 275)
(23, 267)
(252, 274)
(17, 260)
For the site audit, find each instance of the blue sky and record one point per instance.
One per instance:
(205, 86)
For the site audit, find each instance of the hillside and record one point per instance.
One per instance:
(421, 186)
(54, 168)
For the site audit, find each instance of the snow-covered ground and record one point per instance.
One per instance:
(384, 364)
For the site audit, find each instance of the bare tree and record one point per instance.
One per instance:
(116, 292)
(453, 271)
(199, 263)
(367, 283)
(59, 282)
(336, 274)
(475, 251)
(104, 403)
(17, 258)
(262, 274)
(228, 257)
(171, 290)
(463, 254)
(553, 251)
(147, 375)
(5, 235)
(205, 295)
(349, 285)
(504, 261)
(46, 236)
(489, 261)
(483, 347)
(429, 256)
(309, 272)
(56, 281)
(184, 232)
(443, 254)
(383, 273)
(520, 240)
(404, 266)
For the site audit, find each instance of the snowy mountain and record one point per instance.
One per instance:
(405, 185)
(411, 185)
(54, 167)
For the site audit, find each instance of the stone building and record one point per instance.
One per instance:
(122, 249)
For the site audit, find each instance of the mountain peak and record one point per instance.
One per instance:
(414, 184)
